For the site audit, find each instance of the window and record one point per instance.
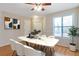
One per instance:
(61, 25)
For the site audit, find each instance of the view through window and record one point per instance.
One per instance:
(62, 25)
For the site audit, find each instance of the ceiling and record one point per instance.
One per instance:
(24, 9)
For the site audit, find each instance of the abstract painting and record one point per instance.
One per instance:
(11, 23)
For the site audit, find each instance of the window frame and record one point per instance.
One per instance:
(62, 27)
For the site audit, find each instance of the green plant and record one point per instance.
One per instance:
(73, 32)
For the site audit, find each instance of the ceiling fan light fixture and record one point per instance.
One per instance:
(43, 9)
(38, 7)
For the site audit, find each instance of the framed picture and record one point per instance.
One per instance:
(16, 24)
(11, 23)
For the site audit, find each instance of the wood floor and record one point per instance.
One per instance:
(65, 51)
(7, 51)
(60, 50)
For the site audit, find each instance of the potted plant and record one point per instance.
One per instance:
(73, 33)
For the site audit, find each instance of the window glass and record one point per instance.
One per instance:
(57, 31)
(57, 21)
(67, 20)
(65, 31)
(62, 25)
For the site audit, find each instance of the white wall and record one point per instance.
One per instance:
(49, 25)
(27, 26)
(5, 35)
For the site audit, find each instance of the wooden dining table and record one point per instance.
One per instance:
(44, 44)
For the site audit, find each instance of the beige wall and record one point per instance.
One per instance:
(33, 23)
(27, 26)
(5, 35)
(77, 17)
(49, 25)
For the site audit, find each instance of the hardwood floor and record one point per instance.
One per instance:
(59, 50)
(65, 51)
(7, 51)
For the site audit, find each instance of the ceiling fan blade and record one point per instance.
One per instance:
(39, 3)
(46, 4)
(30, 3)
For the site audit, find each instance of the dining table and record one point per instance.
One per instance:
(44, 44)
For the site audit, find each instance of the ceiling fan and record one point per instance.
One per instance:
(39, 6)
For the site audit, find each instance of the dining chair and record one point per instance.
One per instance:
(12, 43)
(29, 51)
(24, 50)
(18, 47)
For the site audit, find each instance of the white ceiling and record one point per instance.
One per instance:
(24, 9)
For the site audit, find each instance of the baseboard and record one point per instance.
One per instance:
(4, 44)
